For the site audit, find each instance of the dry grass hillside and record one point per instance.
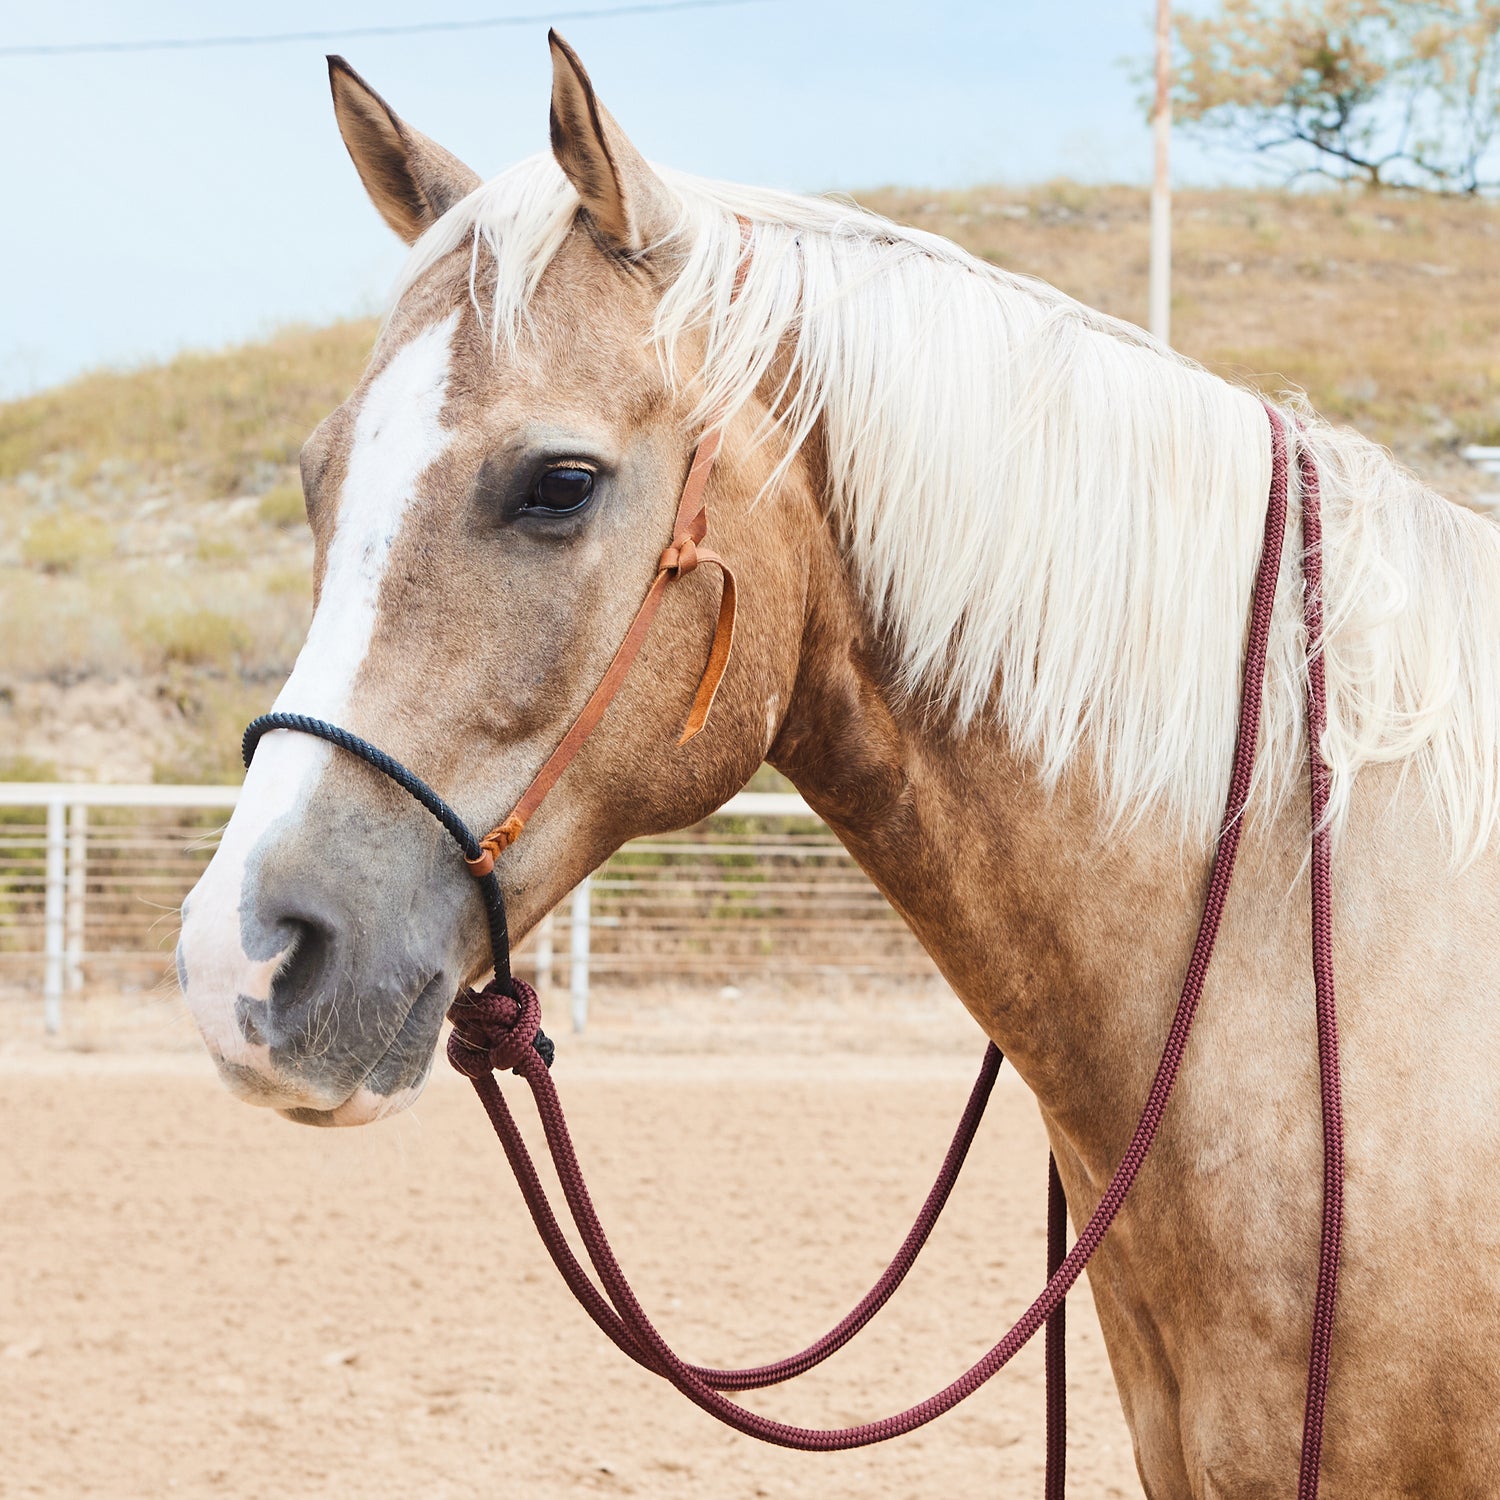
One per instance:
(154, 563)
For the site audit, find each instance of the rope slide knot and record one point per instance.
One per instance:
(494, 1030)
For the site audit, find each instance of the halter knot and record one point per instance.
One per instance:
(679, 558)
(493, 1030)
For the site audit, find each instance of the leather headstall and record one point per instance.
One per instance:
(682, 555)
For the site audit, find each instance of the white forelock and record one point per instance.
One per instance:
(1056, 518)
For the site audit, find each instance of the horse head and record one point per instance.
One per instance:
(489, 507)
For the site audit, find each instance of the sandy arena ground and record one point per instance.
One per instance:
(197, 1298)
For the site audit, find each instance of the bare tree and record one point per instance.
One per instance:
(1393, 93)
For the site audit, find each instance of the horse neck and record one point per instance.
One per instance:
(1056, 937)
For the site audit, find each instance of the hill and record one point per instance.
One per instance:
(154, 563)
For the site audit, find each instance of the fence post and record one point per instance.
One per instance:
(52, 943)
(78, 856)
(544, 957)
(578, 941)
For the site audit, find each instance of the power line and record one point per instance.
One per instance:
(182, 44)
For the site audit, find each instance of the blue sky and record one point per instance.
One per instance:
(162, 200)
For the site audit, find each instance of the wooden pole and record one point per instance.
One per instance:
(1160, 316)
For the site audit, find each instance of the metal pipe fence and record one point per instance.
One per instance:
(1487, 461)
(92, 876)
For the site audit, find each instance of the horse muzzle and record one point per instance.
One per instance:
(319, 983)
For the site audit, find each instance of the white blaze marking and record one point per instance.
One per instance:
(398, 434)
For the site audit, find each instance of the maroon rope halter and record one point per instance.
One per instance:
(495, 1030)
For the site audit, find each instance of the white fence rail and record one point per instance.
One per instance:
(91, 877)
(1486, 460)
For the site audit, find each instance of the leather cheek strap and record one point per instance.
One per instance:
(683, 555)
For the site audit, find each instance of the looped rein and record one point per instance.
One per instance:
(498, 1028)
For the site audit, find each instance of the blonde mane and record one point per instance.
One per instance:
(1056, 518)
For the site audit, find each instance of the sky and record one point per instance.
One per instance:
(155, 201)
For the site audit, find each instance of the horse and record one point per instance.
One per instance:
(995, 553)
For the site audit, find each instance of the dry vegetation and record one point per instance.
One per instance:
(154, 562)
(154, 557)
(1385, 309)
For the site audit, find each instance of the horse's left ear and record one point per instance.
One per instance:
(628, 203)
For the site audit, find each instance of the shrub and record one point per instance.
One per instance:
(1064, 193)
(26, 768)
(22, 768)
(192, 637)
(219, 549)
(1481, 427)
(64, 543)
(282, 507)
(63, 625)
(214, 716)
(289, 583)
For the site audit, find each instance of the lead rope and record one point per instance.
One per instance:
(1055, 1346)
(499, 1028)
(1330, 1087)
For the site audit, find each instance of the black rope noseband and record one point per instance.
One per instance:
(414, 786)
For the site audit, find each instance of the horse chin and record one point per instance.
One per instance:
(391, 1084)
(370, 1100)
(363, 1107)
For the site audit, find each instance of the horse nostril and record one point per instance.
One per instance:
(298, 986)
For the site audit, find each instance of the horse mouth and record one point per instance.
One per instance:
(396, 1078)
(386, 1085)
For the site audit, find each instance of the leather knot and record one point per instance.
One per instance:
(681, 557)
(494, 1030)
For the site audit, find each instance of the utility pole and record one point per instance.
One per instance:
(1160, 315)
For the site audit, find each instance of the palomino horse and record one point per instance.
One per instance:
(995, 554)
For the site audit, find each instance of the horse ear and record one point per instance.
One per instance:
(410, 179)
(630, 206)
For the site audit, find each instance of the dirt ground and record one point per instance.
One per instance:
(198, 1298)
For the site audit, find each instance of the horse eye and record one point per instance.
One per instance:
(561, 490)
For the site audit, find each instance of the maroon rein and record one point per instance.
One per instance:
(499, 1028)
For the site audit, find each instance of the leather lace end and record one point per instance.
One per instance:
(494, 844)
(718, 655)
